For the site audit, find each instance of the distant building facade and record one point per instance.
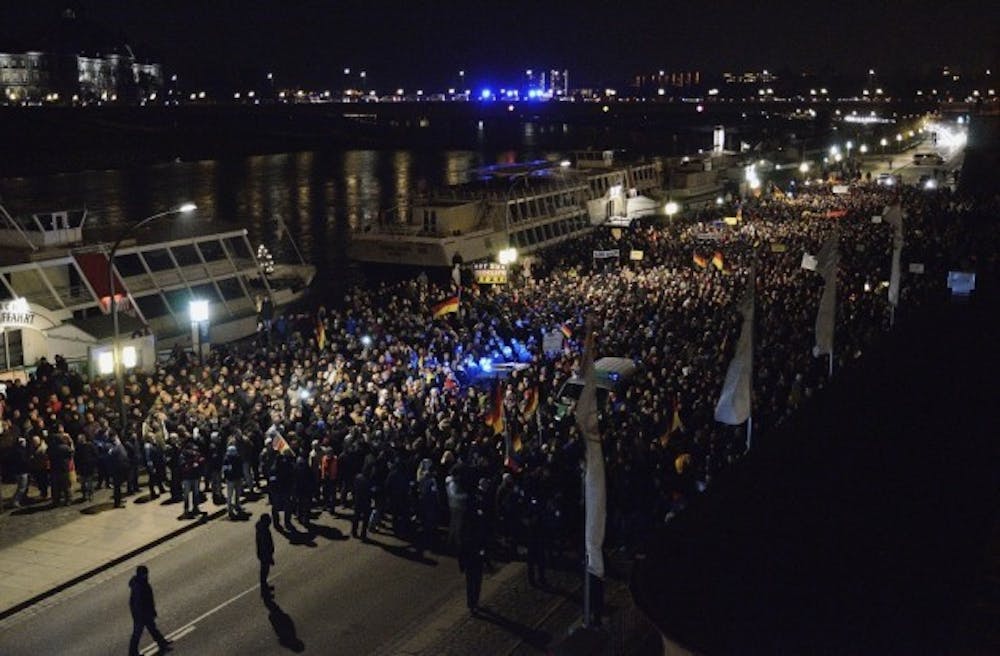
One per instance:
(74, 69)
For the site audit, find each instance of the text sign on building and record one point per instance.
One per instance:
(16, 313)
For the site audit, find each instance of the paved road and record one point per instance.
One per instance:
(333, 595)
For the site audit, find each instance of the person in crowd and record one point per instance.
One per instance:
(232, 473)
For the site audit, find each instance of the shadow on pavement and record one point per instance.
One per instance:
(408, 552)
(295, 536)
(97, 508)
(535, 637)
(283, 625)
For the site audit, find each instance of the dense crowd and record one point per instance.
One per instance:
(383, 409)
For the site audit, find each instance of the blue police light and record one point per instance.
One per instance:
(613, 376)
(486, 365)
(486, 94)
(532, 93)
(366, 341)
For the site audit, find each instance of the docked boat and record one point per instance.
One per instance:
(55, 289)
(527, 206)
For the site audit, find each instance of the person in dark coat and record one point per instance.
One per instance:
(471, 561)
(362, 505)
(304, 488)
(156, 468)
(86, 466)
(279, 489)
(119, 469)
(265, 552)
(143, 608)
(60, 459)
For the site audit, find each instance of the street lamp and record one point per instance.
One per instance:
(671, 208)
(116, 351)
(198, 310)
(507, 256)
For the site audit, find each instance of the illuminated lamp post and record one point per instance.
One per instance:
(116, 351)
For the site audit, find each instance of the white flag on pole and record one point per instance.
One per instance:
(595, 492)
(894, 216)
(826, 265)
(733, 406)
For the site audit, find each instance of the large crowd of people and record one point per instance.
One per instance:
(375, 406)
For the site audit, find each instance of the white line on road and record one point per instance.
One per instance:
(190, 626)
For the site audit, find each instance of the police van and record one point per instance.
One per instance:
(928, 159)
(612, 375)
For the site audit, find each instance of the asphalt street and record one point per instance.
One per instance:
(332, 595)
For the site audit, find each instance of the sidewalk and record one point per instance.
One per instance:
(44, 550)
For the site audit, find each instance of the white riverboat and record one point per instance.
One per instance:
(55, 288)
(527, 206)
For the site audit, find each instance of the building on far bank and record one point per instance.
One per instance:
(75, 62)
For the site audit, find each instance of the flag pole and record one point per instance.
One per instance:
(749, 433)
(831, 363)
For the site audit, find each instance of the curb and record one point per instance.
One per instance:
(80, 578)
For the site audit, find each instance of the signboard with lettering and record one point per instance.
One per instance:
(16, 313)
(608, 254)
(490, 274)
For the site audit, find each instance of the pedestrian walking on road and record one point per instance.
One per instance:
(143, 608)
(265, 552)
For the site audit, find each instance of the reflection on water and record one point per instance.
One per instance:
(320, 196)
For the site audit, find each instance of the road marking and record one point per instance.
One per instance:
(190, 626)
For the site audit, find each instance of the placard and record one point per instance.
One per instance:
(490, 274)
(876, 219)
(778, 248)
(552, 342)
(635, 256)
(604, 255)
(841, 189)
(809, 262)
(916, 267)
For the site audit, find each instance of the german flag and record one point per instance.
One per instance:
(676, 425)
(717, 261)
(517, 444)
(531, 402)
(777, 193)
(281, 445)
(566, 330)
(495, 417)
(700, 261)
(320, 334)
(447, 306)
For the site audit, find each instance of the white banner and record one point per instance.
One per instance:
(604, 255)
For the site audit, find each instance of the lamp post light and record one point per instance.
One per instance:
(671, 209)
(116, 350)
(198, 310)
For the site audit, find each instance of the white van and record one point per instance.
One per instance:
(612, 374)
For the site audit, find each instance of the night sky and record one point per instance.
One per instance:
(426, 42)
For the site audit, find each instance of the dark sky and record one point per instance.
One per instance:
(428, 41)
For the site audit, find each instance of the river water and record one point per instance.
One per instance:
(319, 195)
